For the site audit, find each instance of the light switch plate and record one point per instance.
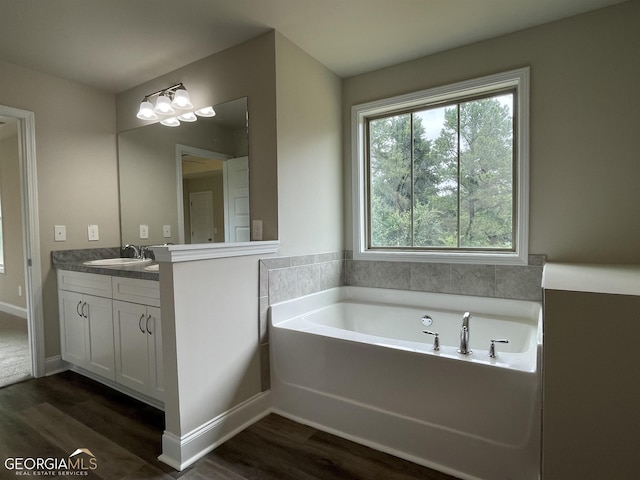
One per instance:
(166, 231)
(144, 231)
(92, 233)
(256, 230)
(59, 233)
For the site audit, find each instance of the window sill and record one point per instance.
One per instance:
(477, 258)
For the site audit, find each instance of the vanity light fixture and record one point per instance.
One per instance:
(172, 106)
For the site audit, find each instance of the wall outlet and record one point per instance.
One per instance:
(256, 230)
(166, 231)
(92, 233)
(59, 233)
(144, 231)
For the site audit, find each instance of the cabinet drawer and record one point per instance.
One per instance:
(146, 292)
(82, 282)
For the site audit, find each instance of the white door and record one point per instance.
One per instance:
(201, 216)
(237, 199)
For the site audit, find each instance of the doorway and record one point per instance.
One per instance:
(21, 304)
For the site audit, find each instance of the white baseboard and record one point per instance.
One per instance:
(13, 310)
(55, 364)
(180, 452)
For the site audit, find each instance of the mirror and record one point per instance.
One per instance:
(186, 184)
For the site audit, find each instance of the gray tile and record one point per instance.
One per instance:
(263, 320)
(276, 262)
(263, 273)
(366, 273)
(521, 283)
(324, 257)
(331, 275)
(283, 285)
(477, 280)
(308, 278)
(302, 260)
(431, 277)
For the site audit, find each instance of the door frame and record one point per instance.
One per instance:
(30, 234)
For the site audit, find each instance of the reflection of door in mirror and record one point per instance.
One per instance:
(215, 197)
(236, 174)
(201, 217)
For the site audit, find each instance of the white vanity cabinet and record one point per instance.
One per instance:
(111, 326)
(87, 322)
(139, 345)
(138, 335)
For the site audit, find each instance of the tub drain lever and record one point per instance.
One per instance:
(436, 339)
(492, 348)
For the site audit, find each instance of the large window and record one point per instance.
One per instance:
(441, 174)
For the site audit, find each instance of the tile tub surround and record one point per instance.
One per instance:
(286, 278)
(499, 281)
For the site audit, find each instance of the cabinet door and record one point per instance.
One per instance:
(99, 336)
(72, 331)
(156, 373)
(132, 355)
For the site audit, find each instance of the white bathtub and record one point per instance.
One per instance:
(354, 361)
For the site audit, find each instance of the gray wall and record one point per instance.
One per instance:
(77, 169)
(584, 106)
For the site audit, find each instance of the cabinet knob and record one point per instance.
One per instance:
(140, 323)
(149, 331)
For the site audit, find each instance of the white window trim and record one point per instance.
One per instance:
(359, 113)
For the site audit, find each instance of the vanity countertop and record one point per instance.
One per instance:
(74, 260)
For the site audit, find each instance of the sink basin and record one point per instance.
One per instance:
(117, 261)
(153, 268)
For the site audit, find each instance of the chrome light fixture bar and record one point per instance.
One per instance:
(172, 106)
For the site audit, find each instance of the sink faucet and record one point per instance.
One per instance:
(136, 252)
(464, 335)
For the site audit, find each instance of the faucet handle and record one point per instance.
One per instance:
(436, 339)
(492, 348)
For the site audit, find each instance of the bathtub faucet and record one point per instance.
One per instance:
(464, 335)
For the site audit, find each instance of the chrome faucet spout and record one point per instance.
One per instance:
(136, 251)
(465, 335)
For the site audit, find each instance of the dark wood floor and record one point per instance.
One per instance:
(53, 416)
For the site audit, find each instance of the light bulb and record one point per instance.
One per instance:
(188, 117)
(163, 106)
(146, 111)
(206, 112)
(171, 122)
(181, 99)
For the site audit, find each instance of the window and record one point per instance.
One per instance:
(442, 174)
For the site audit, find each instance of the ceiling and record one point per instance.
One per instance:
(114, 45)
